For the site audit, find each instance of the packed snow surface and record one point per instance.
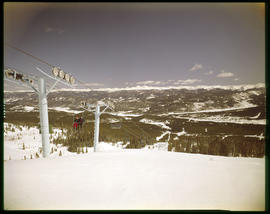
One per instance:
(135, 179)
(117, 178)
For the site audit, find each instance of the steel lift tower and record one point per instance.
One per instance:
(38, 84)
(95, 108)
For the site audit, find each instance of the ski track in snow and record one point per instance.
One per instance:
(255, 117)
(163, 134)
(237, 120)
(157, 123)
(124, 114)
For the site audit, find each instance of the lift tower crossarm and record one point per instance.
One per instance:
(25, 85)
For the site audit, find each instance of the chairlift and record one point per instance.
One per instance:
(115, 125)
(83, 103)
(78, 123)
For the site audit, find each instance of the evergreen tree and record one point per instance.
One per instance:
(37, 156)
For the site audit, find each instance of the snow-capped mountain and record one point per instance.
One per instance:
(148, 100)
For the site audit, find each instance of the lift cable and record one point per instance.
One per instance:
(148, 135)
(22, 51)
(130, 131)
(37, 58)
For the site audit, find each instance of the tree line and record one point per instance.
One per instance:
(233, 146)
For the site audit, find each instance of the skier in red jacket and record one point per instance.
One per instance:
(75, 124)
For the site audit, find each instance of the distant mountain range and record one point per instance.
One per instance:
(150, 100)
(146, 87)
(236, 114)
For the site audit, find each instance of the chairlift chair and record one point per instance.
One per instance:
(82, 117)
(115, 125)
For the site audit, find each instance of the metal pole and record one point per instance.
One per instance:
(96, 134)
(44, 120)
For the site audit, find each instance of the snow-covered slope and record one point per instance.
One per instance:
(135, 179)
(114, 178)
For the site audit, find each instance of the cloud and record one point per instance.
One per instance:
(196, 67)
(186, 82)
(94, 84)
(223, 74)
(167, 82)
(57, 30)
(151, 82)
(129, 83)
(209, 72)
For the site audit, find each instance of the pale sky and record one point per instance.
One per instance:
(130, 44)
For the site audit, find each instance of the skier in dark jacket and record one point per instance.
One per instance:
(80, 122)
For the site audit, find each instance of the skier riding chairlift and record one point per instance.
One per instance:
(78, 121)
